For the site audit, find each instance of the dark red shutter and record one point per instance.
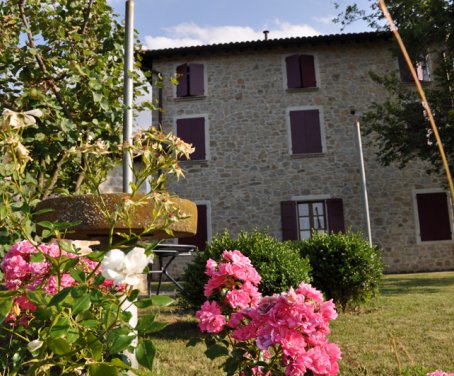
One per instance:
(335, 209)
(192, 131)
(196, 80)
(293, 71)
(182, 88)
(305, 131)
(433, 214)
(307, 71)
(289, 220)
(201, 237)
(405, 73)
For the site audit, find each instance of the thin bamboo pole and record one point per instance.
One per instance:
(425, 103)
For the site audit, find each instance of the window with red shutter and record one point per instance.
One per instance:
(300, 71)
(433, 216)
(201, 237)
(301, 219)
(191, 81)
(192, 131)
(305, 132)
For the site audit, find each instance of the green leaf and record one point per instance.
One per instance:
(102, 369)
(157, 300)
(145, 354)
(5, 308)
(72, 335)
(146, 325)
(96, 255)
(60, 328)
(94, 346)
(78, 275)
(133, 295)
(37, 257)
(81, 304)
(46, 224)
(59, 297)
(120, 343)
(216, 351)
(59, 346)
(69, 264)
(89, 323)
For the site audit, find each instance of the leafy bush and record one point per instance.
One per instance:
(279, 264)
(344, 266)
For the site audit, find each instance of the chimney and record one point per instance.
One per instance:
(266, 34)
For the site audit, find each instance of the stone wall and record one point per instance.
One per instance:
(250, 170)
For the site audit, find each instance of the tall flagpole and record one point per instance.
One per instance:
(128, 95)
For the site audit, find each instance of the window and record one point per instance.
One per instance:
(301, 219)
(300, 71)
(421, 66)
(305, 131)
(202, 236)
(191, 81)
(433, 216)
(192, 130)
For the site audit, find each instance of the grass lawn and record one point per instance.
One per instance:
(407, 330)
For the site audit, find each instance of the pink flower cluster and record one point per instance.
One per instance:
(292, 326)
(21, 271)
(233, 281)
(440, 373)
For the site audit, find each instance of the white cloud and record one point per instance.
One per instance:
(191, 34)
(327, 20)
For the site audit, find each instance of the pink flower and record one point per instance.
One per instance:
(65, 281)
(238, 299)
(440, 373)
(210, 317)
(211, 266)
(310, 292)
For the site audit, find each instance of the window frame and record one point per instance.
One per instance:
(311, 217)
(316, 71)
(416, 216)
(289, 131)
(206, 135)
(205, 82)
(424, 63)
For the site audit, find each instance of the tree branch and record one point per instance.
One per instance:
(53, 180)
(87, 11)
(39, 59)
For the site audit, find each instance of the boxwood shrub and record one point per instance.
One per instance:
(279, 264)
(344, 266)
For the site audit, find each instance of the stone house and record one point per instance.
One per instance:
(275, 145)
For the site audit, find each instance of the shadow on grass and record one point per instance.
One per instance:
(183, 330)
(416, 284)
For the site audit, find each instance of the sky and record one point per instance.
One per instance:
(178, 23)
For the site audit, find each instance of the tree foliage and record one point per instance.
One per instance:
(399, 122)
(65, 58)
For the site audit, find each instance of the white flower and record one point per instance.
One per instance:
(34, 345)
(125, 268)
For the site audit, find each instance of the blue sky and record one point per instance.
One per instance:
(176, 23)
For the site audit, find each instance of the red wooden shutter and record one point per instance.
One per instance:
(196, 80)
(192, 130)
(293, 71)
(289, 220)
(335, 209)
(307, 71)
(305, 131)
(201, 237)
(433, 214)
(182, 88)
(405, 73)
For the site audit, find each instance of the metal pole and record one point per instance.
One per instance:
(128, 96)
(363, 180)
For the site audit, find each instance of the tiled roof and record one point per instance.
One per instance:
(267, 44)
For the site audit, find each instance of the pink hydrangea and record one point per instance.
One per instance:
(210, 317)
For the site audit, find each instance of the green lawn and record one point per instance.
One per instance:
(408, 328)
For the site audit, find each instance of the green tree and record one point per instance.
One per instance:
(401, 128)
(64, 58)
